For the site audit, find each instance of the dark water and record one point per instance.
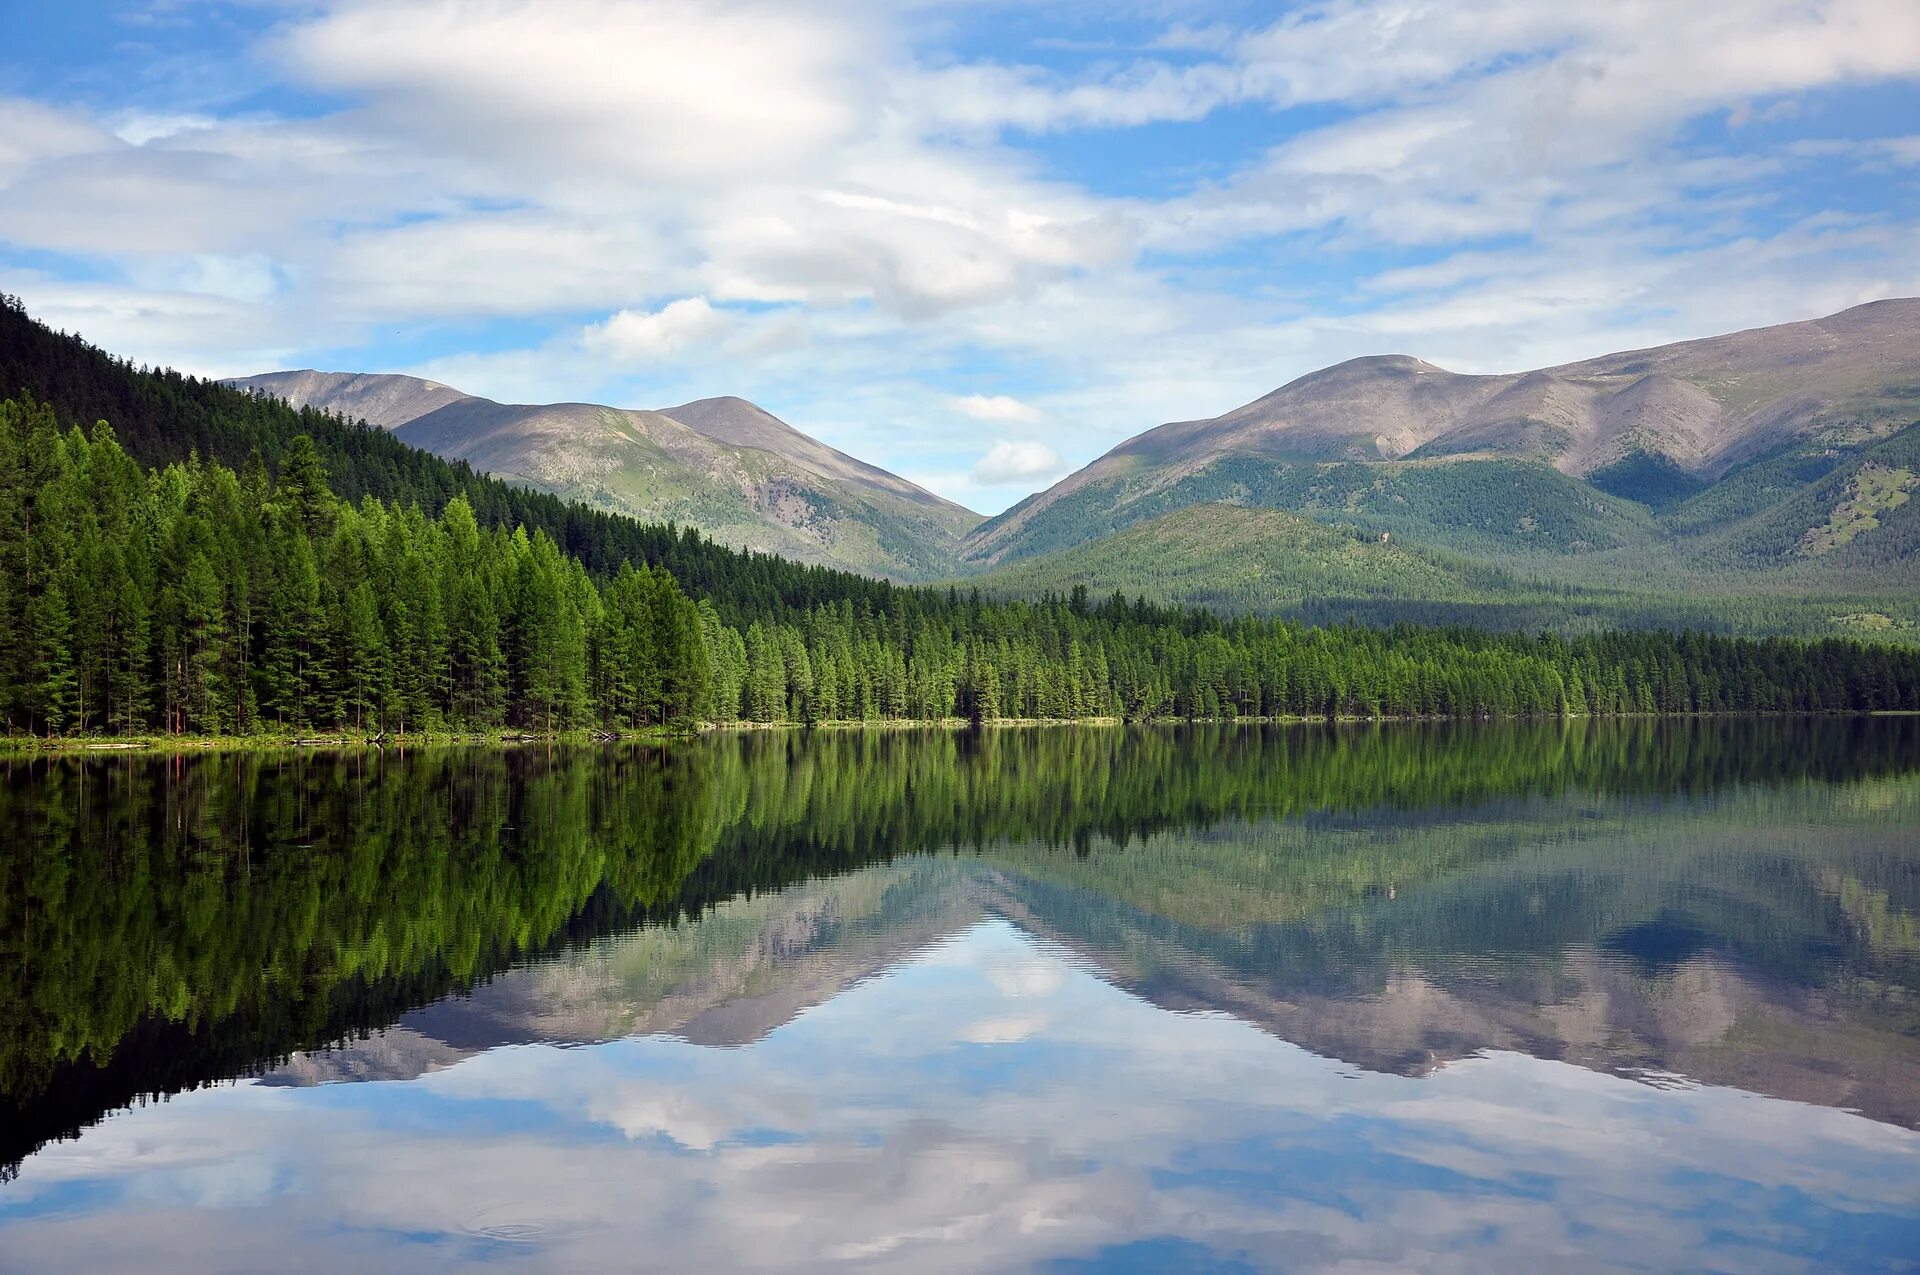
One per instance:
(1529, 997)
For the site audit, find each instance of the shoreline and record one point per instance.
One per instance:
(350, 741)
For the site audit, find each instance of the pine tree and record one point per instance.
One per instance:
(291, 635)
(302, 488)
(51, 680)
(203, 638)
(365, 651)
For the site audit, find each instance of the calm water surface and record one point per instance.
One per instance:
(1526, 997)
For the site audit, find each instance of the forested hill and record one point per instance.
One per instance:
(147, 584)
(161, 416)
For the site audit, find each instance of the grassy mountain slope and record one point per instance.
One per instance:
(1238, 560)
(738, 423)
(736, 472)
(1488, 506)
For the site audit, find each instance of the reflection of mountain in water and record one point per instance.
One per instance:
(1714, 944)
(745, 968)
(1733, 901)
(1716, 941)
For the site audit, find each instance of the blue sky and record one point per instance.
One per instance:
(976, 243)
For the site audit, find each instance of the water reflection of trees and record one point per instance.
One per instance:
(173, 921)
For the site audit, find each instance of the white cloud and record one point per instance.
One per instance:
(701, 91)
(1888, 150)
(196, 332)
(1008, 461)
(245, 277)
(1499, 117)
(32, 133)
(1026, 974)
(511, 262)
(1006, 1029)
(995, 407)
(637, 335)
(137, 128)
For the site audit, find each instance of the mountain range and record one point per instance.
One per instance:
(1770, 470)
(740, 474)
(1587, 451)
(1761, 480)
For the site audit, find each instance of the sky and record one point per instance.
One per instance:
(975, 243)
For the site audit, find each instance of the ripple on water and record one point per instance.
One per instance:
(500, 1222)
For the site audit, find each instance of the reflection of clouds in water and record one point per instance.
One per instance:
(228, 1183)
(1010, 1030)
(694, 1125)
(871, 1132)
(1511, 1110)
(1026, 973)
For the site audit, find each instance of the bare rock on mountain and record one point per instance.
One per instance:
(739, 423)
(385, 401)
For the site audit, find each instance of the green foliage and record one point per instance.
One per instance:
(188, 601)
(1488, 506)
(176, 920)
(206, 608)
(163, 417)
(1782, 543)
(1763, 515)
(1873, 494)
(1234, 560)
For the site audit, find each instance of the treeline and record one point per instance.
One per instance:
(1064, 658)
(798, 807)
(445, 864)
(195, 599)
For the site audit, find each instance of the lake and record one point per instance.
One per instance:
(1637, 995)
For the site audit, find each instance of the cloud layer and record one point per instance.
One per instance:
(858, 212)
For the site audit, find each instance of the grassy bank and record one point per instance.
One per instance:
(325, 741)
(22, 745)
